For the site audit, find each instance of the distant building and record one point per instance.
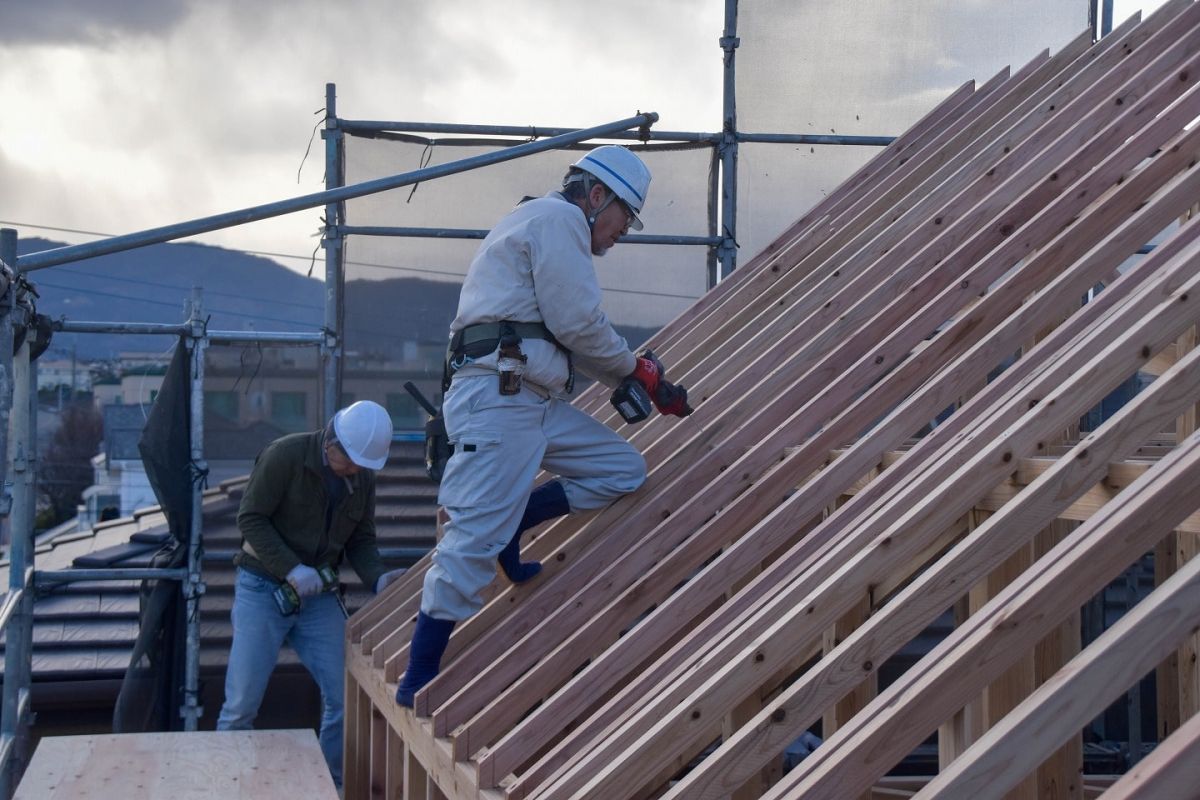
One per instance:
(69, 374)
(119, 483)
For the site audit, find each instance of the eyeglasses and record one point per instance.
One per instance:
(629, 216)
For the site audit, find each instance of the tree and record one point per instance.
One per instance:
(65, 468)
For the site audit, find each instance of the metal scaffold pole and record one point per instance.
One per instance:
(727, 250)
(17, 611)
(331, 351)
(194, 585)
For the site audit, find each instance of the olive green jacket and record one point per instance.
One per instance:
(282, 515)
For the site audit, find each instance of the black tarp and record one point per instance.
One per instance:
(152, 690)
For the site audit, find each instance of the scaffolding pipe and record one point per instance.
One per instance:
(815, 138)
(481, 233)
(11, 717)
(173, 329)
(185, 329)
(116, 244)
(194, 587)
(368, 127)
(23, 446)
(54, 577)
(714, 223)
(332, 240)
(727, 251)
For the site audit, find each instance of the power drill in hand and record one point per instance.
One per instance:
(647, 387)
(288, 601)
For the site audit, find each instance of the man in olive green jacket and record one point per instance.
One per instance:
(309, 501)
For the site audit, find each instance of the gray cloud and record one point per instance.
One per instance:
(97, 22)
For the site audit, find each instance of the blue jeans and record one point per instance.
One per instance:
(259, 631)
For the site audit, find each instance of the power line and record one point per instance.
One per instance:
(207, 292)
(307, 323)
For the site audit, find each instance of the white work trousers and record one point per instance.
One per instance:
(500, 443)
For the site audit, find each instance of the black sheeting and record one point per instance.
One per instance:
(152, 690)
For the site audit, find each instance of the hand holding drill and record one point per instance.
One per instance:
(646, 386)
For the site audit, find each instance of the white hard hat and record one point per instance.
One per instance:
(364, 430)
(622, 171)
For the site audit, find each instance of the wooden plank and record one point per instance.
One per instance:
(415, 777)
(966, 726)
(1171, 770)
(974, 654)
(1017, 682)
(378, 748)
(1074, 695)
(251, 765)
(396, 763)
(352, 778)
(1061, 775)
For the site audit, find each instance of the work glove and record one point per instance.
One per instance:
(305, 580)
(666, 396)
(383, 580)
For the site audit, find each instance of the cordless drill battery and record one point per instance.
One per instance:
(288, 601)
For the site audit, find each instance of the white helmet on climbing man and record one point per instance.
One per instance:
(364, 430)
(621, 171)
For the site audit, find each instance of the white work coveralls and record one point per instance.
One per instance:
(534, 266)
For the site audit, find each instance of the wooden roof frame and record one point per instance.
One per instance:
(784, 545)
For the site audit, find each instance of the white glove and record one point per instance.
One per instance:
(305, 580)
(383, 580)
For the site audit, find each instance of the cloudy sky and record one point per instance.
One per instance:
(122, 115)
(128, 114)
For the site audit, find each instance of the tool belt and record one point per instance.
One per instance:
(476, 341)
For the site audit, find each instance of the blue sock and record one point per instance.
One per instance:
(545, 502)
(424, 656)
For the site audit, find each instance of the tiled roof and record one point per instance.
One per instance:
(85, 631)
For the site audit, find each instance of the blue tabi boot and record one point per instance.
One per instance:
(424, 656)
(545, 502)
